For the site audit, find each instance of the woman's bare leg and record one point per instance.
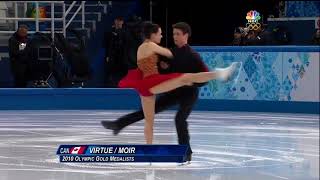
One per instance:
(148, 106)
(186, 79)
(189, 78)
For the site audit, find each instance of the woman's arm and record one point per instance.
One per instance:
(160, 50)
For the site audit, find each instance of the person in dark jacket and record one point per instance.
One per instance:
(239, 36)
(186, 60)
(114, 43)
(20, 56)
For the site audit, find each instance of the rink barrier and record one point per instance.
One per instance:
(128, 99)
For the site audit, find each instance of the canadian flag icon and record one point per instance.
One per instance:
(77, 149)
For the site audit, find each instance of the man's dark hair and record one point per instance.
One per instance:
(184, 27)
(23, 26)
(119, 18)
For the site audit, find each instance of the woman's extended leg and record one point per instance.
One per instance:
(190, 78)
(148, 106)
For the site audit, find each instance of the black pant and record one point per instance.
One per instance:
(19, 72)
(185, 97)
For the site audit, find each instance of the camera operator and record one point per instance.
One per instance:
(20, 56)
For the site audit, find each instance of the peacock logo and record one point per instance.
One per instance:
(253, 18)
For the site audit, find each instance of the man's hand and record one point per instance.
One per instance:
(164, 65)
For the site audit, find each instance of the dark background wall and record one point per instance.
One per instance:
(212, 22)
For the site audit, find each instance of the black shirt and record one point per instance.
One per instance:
(185, 60)
(16, 54)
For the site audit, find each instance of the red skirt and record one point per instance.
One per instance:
(134, 79)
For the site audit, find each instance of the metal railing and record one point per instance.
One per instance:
(65, 13)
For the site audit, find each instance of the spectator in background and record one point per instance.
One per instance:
(116, 67)
(259, 37)
(251, 39)
(239, 35)
(20, 56)
(316, 37)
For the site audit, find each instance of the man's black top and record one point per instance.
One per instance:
(186, 60)
(16, 55)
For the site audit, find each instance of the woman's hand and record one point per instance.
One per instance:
(164, 65)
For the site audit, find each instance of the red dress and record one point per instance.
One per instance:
(145, 76)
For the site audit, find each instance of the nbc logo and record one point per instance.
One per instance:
(253, 16)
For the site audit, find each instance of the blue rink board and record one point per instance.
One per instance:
(125, 99)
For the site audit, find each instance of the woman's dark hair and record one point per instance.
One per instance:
(150, 28)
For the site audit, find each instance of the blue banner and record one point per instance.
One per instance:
(122, 153)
